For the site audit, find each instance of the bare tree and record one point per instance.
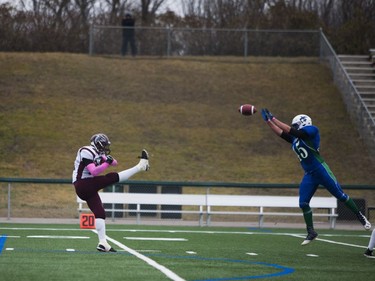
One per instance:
(58, 9)
(62, 25)
(116, 9)
(84, 7)
(149, 9)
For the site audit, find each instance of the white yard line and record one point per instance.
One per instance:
(155, 239)
(170, 274)
(330, 241)
(209, 232)
(57, 237)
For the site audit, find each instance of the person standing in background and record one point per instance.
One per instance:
(128, 35)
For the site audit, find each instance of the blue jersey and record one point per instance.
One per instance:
(305, 143)
(307, 149)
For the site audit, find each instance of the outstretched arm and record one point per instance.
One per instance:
(274, 127)
(278, 127)
(283, 126)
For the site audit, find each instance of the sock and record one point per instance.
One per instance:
(351, 205)
(307, 215)
(371, 244)
(124, 175)
(100, 228)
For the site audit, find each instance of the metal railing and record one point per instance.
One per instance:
(12, 200)
(356, 107)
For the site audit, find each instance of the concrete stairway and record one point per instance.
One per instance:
(362, 74)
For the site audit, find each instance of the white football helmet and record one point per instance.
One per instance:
(301, 121)
(101, 143)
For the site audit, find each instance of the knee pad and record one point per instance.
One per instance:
(304, 206)
(344, 198)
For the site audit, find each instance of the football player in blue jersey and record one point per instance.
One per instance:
(305, 140)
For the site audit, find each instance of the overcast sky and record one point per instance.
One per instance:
(174, 5)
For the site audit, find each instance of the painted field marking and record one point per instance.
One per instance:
(183, 231)
(268, 233)
(167, 272)
(232, 232)
(3, 238)
(155, 239)
(57, 237)
(207, 232)
(332, 242)
(149, 251)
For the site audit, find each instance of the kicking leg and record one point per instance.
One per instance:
(143, 165)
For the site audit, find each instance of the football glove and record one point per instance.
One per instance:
(264, 114)
(269, 114)
(98, 160)
(109, 159)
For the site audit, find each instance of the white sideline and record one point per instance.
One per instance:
(170, 274)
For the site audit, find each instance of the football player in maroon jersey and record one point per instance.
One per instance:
(91, 161)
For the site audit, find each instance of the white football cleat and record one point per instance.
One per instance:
(143, 164)
(366, 224)
(105, 247)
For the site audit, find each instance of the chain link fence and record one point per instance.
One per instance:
(172, 42)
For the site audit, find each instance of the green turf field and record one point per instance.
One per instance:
(66, 252)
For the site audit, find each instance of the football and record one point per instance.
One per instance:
(247, 109)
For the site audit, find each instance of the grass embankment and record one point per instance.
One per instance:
(184, 111)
